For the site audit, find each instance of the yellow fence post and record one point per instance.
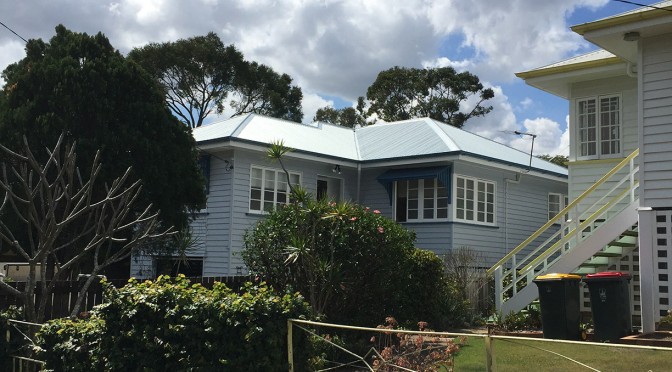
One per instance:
(290, 348)
(489, 355)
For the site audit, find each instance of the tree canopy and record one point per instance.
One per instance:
(347, 116)
(560, 160)
(80, 85)
(405, 93)
(201, 75)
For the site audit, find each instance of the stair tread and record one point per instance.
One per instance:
(607, 254)
(623, 244)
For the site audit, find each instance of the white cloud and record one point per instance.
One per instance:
(550, 138)
(332, 48)
(12, 51)
(312, 102)
(526, 103)
(501, 123)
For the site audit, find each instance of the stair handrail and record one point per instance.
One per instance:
(564, 212)
(581, 227)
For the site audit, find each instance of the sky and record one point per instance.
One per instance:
(334, 49)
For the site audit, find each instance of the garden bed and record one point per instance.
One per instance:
(658, 338)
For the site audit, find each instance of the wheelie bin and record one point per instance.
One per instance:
(610, 304)
(559, 302)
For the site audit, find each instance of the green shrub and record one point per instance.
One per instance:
(354, 265)
(172, 325)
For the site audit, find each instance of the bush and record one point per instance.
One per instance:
(172, 325)
(353, 265)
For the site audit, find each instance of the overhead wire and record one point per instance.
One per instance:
(644, 5)
(12, 31)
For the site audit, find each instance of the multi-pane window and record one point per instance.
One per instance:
(599, 126)
(421, 199)
(556, 203)
(474, 200)
(268, 188)
(204, 167)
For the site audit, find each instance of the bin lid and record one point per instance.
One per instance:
(558, 276)
(608, 274)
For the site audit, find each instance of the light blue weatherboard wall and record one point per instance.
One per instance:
(525, 211)
(413, 144)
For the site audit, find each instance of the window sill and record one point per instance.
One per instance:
(256, 214)
(479, 224)
(596, 161)
(425, 221)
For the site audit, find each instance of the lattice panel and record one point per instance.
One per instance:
(662, 243)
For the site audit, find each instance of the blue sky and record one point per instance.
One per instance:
(333, 49)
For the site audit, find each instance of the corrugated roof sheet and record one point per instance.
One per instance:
(588, 57)
(401, 139)
(382, 141)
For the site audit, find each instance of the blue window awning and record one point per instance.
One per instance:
(441, 173)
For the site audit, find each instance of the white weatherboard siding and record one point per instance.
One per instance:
(217, 219)
(521, 209)
(433, 236)
(582, 175)
(243, 220)
(656, 148)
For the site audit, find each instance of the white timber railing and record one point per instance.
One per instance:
(565, 232)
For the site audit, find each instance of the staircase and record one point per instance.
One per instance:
(598, 226)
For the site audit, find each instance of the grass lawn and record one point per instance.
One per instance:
(514, 355)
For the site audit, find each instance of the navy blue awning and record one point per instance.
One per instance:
(441, 173)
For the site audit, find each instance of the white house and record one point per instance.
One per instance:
(452, 187)
(620, 164)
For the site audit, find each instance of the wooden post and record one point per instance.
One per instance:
(290, 348)
(489, 355)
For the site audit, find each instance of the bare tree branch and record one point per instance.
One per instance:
(67, 221)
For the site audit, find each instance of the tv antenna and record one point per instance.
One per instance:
(529, 167)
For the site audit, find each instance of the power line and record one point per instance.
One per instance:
(12, 31)
(644, 5)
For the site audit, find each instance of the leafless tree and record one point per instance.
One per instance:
(464, 265)
(67, 221)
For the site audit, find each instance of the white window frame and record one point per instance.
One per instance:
(475, 202)
(598, 136)
(421, 200)
(562, 203)
(279, 175)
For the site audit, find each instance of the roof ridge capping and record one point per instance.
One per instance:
(439, 125)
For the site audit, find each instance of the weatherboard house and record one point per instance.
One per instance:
(620, 166)
(452, 187)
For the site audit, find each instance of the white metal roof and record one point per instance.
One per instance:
(379, 142)
(595, 55)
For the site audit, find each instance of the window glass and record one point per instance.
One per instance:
(474, 200)
(598, 123)
(269, 187)
(423, 199)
